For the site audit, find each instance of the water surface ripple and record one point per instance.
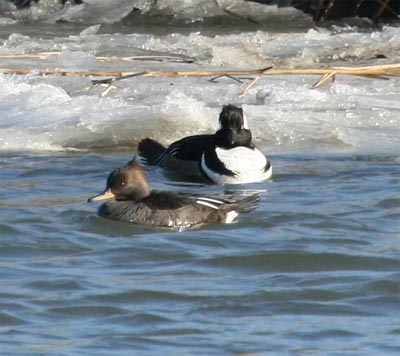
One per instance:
(314, 270)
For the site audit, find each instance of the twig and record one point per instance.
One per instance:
(77, 91)
(42, 55)
(30, 55)
(381, 10)
(180, 59)
(122, 77)
(374, 71)
(247, 87)
(317, 14)
(324, 79)
(108, 89)
(329, 8)
(214, 79)
(134, 73)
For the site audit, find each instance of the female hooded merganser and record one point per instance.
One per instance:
(135, 202)
(226, 157)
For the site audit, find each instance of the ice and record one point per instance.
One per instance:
(240, 57)
(268, 14)
(17, 44)
(353, 46)
(189, 10)
(292, 49)
(90, 11)
(75, 60)
(42, 113)
(341, 117)
(108, 12)
(100, 11)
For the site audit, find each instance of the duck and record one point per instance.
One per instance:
(130, 199)
(226, 157)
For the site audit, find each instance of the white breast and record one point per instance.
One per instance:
(247, 164)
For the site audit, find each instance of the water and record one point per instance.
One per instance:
(313, 270)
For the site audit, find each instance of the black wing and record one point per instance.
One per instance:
(151, 151)
(192, 147)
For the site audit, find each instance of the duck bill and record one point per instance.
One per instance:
(232, 134)
(106, 195)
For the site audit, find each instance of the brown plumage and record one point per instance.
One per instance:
(133, 201)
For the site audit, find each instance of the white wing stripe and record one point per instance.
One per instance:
(212, 200)
(175, 150)
(207, 204)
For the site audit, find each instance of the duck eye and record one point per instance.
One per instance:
(122, 184)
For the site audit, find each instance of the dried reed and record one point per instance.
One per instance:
(375, 71)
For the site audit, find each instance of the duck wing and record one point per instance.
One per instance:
(151, 152)
(177, 210)
(188, 148)
(191, 148)
(164, 200)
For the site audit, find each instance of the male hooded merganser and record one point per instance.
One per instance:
(135, 202)
(226, 157)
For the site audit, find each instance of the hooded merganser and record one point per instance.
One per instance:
(135, 202)
(226, 157)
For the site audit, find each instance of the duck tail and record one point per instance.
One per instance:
(245, 205)
(151, 152)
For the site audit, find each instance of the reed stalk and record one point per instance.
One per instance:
(383, 71)
(374, 70)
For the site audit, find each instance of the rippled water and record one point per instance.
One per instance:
(315, 269)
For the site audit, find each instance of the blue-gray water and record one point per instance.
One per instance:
(314, 270)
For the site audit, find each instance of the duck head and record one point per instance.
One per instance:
(125, 183)
(234, 130)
